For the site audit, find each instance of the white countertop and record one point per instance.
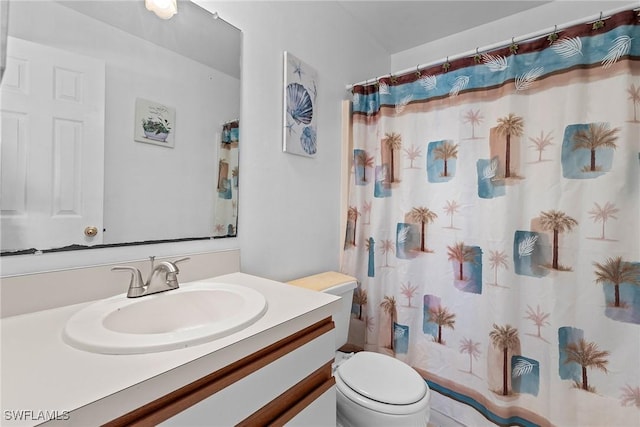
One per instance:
(42, 373)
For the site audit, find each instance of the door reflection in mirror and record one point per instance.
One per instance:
(151, 194)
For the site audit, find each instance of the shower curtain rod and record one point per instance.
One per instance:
(602, 16)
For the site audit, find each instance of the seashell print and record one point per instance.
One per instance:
(299, 105)
(314, 90)
(289, 127)
(297, 68)
(308, 140)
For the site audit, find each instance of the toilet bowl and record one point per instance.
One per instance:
(372, 389)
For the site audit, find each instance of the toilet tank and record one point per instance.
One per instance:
(337, 284)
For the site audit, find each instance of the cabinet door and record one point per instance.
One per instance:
(271, 389)
(320, 413)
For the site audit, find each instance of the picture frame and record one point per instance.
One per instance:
(154, 123)
(300, 108)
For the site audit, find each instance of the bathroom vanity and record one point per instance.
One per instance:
(276, 370)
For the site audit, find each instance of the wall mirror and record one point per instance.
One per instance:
(118, 127)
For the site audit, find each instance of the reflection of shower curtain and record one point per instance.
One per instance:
(493, 226)
(226, 220)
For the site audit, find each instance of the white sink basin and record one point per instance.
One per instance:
(193, 314)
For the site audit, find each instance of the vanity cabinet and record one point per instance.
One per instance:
(275, 371)
(287, 383)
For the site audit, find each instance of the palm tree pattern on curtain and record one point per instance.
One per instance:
(557, 222)
(423, 216)
(472, 348)
(540, 143)
(509, 126)
(445, 152)
(460, 254)
(443, 318)
(603, 214)
(587, 355)
(505, 339)
(595, 136)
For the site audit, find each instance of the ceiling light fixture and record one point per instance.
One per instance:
(165, 9)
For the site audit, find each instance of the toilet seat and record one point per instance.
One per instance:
(382, 383)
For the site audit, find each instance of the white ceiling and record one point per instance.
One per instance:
(193, 32)
(395, 25)
(400, 25)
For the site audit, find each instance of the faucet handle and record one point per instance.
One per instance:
(136, 285)
(175, 263)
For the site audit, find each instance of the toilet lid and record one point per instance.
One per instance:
(382, 378)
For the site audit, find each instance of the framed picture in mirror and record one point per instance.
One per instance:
(155, 123)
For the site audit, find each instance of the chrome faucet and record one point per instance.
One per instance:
(162, 277)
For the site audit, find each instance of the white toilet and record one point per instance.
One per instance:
(372, 389)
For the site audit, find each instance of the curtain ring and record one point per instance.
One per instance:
(599, 23)
(514, 46)
(446, 65)
(553, 36)
(477, 58)
(418, 73)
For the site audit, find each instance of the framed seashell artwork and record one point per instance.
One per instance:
(299, 120)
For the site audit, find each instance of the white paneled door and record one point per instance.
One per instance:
(52, 105)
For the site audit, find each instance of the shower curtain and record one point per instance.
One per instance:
(226, 205)
(493, 226)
